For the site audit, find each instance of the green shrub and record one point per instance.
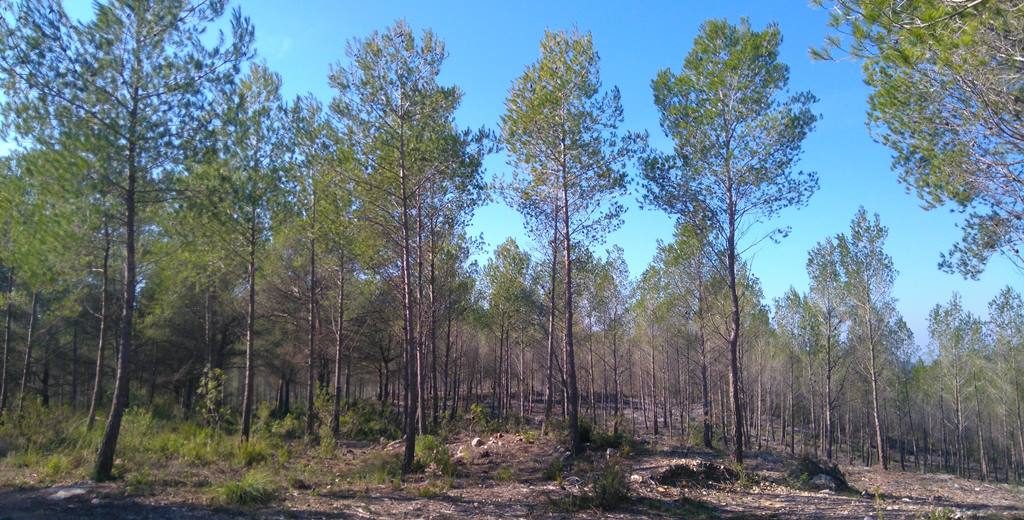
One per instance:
(288, 427)
(253, 489)
(378, 468)
(138, 483)
(252, 452)
(370, 421)
(504, 474)
(431, 451)
(57, 466)
(554, 471)
(620, 440)
(610, 488)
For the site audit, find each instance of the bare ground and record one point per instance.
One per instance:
(504, 479)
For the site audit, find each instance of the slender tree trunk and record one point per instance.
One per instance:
(74, 366)
(336, 412)
(250, 336)
(311, 340)
(549, 389)
(7, 341)
(97, 385)
(570, 355)
(26, 368)
(734, 334)
(410, 346)
(108, 446)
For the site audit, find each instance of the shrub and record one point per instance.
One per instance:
(610, 487)
(504, 474)
(620, 440)
(252, 453)
(370, 421)
(288, 427)
(138, 483)
(253, 489)
(378, 468)
(57, 466)
(431, 451)
(554, 471)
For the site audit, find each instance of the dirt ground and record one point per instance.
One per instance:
(504, 479)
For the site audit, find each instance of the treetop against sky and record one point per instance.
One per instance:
(489, 44)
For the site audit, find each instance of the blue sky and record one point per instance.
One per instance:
(491, 42)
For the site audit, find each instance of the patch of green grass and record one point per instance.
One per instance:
(138, 483)
(433, 488)
(253, 489)
(378, 468)
(504, 474)
(432, 452)
(252, 453)
(554, 471)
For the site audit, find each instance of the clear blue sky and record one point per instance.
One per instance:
(491, 42)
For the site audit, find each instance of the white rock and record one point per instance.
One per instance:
(67, 493)
(477, 442)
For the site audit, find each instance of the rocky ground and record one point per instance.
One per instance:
(504, 475)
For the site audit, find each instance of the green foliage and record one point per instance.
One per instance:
(504, 474)
(210, 394)
(138, 482)
(367, 420)
(611, 487)
(554, 471)
(378, 468)
(942, 96)
(252, 452)
(432, 452)
(253, 489)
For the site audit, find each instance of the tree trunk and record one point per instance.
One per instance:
(311, 343)
(734, 336)
(7, 341)
(26, 368)
(97, 384)
(250, 331)
(570, 355)
(336, 412)
(108, 446)
(549, 389)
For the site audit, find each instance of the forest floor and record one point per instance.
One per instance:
(509, 475)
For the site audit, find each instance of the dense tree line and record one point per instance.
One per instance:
(177, 235)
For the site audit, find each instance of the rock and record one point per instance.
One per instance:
(499, 435)
(609, 453)
(823, 481)
(95, 502)
(566, 456)
(636, 478)
(68, 492)
(477, 442)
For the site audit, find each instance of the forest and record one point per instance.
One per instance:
(220, 302)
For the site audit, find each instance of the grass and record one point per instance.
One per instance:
(378, 468)
(253, 489)
(504, 474)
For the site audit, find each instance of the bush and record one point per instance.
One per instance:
(504, 474)
(370, 421)
(378, 468)
(254, 489)
(611, 488)
(288, 427)
(252, 453)
(554, 471)
(602, 440)
(431, 451)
